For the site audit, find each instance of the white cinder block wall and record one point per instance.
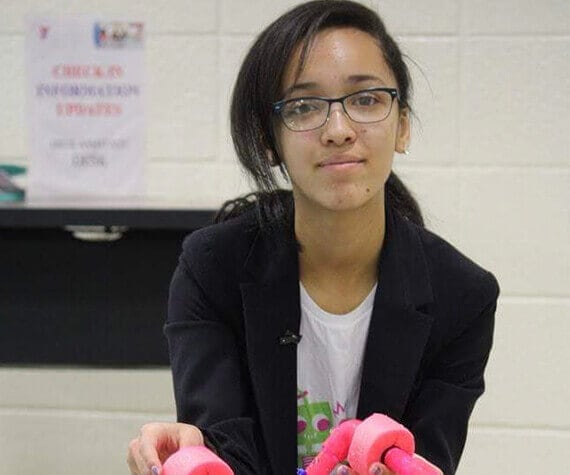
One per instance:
(489, 163)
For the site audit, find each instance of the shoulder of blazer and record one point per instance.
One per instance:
(462, 289)
(228, 243)
(213, 257)
(449, 265)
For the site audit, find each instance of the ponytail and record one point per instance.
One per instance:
(402, 201)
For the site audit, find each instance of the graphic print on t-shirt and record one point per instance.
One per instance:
(314, 423)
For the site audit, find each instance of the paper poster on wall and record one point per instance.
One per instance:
(85, 107)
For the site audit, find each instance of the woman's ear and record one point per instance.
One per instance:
(403, 131)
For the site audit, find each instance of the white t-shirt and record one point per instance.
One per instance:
(329, 370)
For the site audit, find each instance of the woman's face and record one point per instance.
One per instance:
(342, 165)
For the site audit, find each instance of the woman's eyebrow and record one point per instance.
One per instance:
(300, 86)
(353, 79)
(357, 78)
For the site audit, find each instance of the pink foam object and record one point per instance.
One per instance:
(195, 460)
(335, 448)
(402, 463)
(380, 438)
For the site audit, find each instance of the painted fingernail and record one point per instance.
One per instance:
(155, 470)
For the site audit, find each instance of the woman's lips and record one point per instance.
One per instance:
(341, 163)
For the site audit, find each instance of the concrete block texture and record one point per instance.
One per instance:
(434, 67)
(527, 375)
(62, 442)
(517, 16)
(401, 17)
(232, 51)
(509, 451)
(236, 15)
(409, 17)
(437, 191)
(515, 102)
(182, 97)
(160, 17)
(13, 132)
(196, 185)
(76, 389)
(515, 223)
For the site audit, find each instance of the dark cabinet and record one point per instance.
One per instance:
(88, 286)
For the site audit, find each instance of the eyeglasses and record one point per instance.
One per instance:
(308, 113)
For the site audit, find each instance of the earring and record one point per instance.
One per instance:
(406, 152)
(271, 158)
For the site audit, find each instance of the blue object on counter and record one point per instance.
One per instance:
(13, 170)
(9, 191)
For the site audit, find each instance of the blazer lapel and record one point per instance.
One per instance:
(399, 329)
(271, 309)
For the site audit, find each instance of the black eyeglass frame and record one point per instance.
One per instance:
(279, 105)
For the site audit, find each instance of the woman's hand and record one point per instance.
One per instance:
(156, 442)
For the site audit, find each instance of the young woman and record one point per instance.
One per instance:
(332, 301)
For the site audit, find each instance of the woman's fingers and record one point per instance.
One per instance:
(189, 435)
(133, 449)
(379, 469)
(156, 442)
(135, 461)
(374, 469)
(341, 469)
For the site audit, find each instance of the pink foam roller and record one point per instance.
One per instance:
(195, 460)
(335, 448)
(403, 463)
(373, 437)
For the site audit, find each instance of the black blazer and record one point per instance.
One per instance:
(235, 292)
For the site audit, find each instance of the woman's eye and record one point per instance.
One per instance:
(365, 100)
(301, 108)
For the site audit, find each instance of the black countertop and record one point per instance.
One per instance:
(140, 213)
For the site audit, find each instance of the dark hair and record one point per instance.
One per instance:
(258, 86)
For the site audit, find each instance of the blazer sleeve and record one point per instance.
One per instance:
(439, 412)
(210, 384)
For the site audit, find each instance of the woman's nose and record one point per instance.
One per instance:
(339, 128)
